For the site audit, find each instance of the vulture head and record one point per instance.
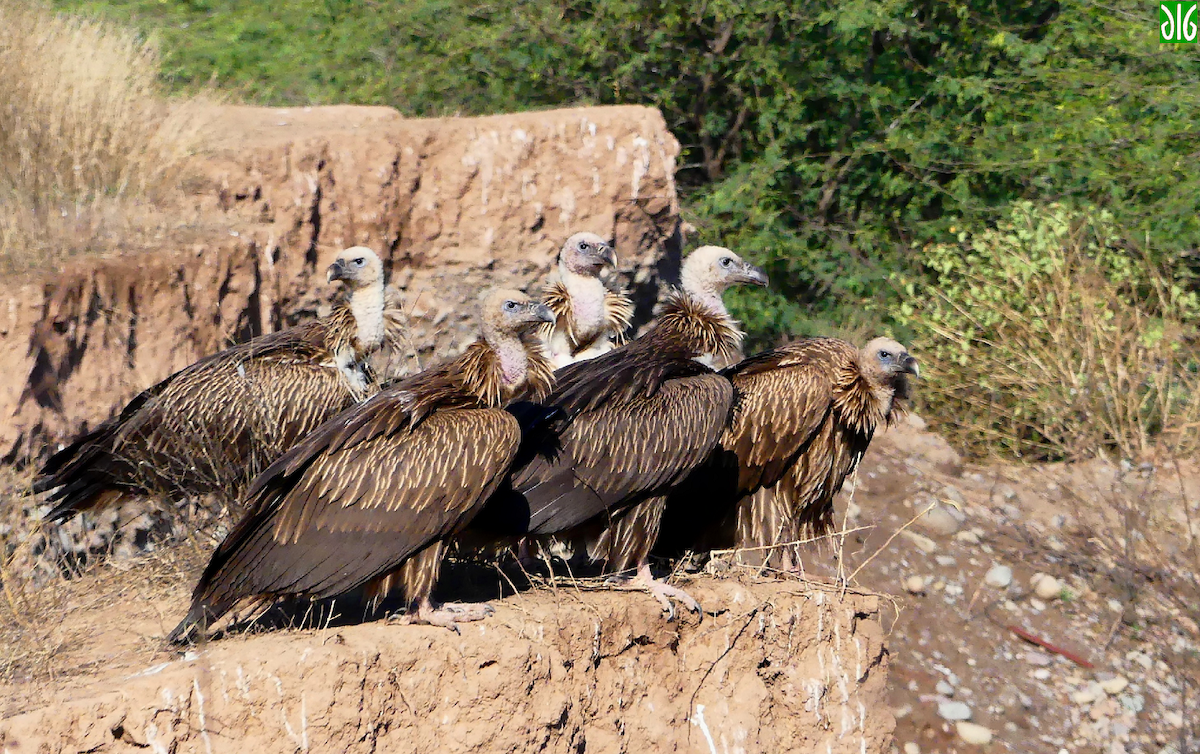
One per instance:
(508, 314)
(357, 267)
(888, 363)
(586, 254)
(709, 271)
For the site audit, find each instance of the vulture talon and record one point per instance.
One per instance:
(664, 592)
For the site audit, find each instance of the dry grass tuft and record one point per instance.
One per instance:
(1050, 337)
(84, 133)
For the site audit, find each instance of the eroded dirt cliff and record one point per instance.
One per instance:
(782, 667)
(453, 205)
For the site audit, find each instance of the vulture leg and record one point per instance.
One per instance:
(629, 540)
(418, 575)
(664, 592)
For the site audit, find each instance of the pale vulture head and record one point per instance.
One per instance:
(508, 313)
(711, 270)
(886, 362)
(356, 267)
(586, 254)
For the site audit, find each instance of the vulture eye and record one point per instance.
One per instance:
(510, 306)
(360, 261)
(726, 261)
(885, 355)
(584, 246)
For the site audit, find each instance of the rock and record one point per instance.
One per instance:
(945, 561)
(1114, 685)
(953, 711)
(1039, 659)
(952, 493)
(999, 576)
(924, 544)
(967, 537)
(1174, 719)
(1135, 703)
(941, 519)
(1048, 588)
(1037, 604)
(1102, 710)
(1089, 694)
(974, 734)
(1041, 674)
(911, 748)
(914, 585)
(944, 688)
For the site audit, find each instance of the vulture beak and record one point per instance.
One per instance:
(908, 365)
(752, 275)
(541, 312)
(337, 271)
(608, 255)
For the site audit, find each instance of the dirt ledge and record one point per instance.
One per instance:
(784, 668)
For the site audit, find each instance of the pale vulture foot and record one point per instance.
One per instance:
(447, 615)
(664, 592)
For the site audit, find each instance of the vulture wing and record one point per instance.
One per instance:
(618, 452)
(356, 498)
(784, 397)
(228, 414)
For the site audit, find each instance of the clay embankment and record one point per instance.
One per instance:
(454, 205)
(781, 669)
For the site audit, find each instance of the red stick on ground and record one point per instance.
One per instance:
(1047, 645)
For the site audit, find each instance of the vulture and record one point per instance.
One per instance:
(369, 498)
(589, 319)
(631, 424)
(806, 412)
(212, 426)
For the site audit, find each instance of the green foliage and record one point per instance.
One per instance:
(1050, 336)
(829, 141)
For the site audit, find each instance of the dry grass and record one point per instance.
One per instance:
(85, 135)
(1049, 338)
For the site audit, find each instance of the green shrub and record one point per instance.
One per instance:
(1051, 337)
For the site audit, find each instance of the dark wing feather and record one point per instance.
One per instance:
(223, 417)
(624, 451)
(357, 498)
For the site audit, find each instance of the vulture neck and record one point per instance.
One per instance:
(709, 334)
(587, 297)
(867, 399)
(366, 304)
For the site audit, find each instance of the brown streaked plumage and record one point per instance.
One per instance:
(215, 424)
(634, 422)
(370, 496)
(806, 413)
(589, 318)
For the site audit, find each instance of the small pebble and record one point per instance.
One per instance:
(1041, 674)
(944, 688)
(1114, 685)
(1037, 604)
(954, 711)
(1089, 694)
(1047, 588)
(974, 734)
(911, 748)
(1037, 658)
(1000, 576)
(967, 537)
(914, 585)
(922, 543)
(945, 561)
(941, 519)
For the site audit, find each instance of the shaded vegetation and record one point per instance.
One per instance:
(830, 142)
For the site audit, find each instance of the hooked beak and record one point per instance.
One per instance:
(337, 271)
(541, 312)
(608, 255)
(752, 275)
(908, 365)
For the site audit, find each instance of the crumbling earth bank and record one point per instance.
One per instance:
(453, 205)
(782, 669)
